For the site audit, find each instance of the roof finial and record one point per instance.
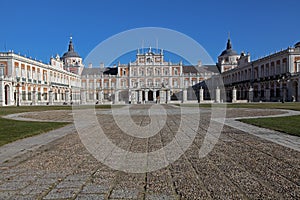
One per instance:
(229, 46)
(71, 47)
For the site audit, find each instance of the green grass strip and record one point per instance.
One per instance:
(12, 130)
(289, 124)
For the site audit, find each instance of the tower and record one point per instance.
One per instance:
(71, 59)
(228, 59)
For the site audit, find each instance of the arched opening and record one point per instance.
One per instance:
(143, 96)
(157, 96)
(150, 95)
(6, 95)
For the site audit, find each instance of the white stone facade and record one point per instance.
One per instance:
(273, 78)
(24, 81)
(149, 79)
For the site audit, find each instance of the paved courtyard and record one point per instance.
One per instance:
(240, 166)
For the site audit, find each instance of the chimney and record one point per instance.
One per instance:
(199, 63)
(101, 65)
(90, 65)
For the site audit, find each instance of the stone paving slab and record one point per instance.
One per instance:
(240, 166)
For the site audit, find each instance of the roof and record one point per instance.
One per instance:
(99, 71)
(202, 69)
(297, 45)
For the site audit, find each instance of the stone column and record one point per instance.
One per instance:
(83, 97)
(116, 97)
(168, 96)
(50, 97)
(140, 99)
(67, 99)
(233, 95)
(100, 96)
(250, 94)
(34, 97)
(146, 95)
(162, 96)
(184, 95)
(201, 95)
(154, 96)
(218, 97)
(268, 95)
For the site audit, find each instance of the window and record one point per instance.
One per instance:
(175, 84)
(29, 96)
(17, 72)
(23, 73)
(23, 95)
(175, 71)
(123, 83)
(186, 83)
(166, 72)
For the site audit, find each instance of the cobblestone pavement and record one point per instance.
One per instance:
(240, 166)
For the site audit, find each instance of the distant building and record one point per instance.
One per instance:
(149, 79)
(25, 81)
(273, 78)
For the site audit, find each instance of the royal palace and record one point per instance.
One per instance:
(149, 79)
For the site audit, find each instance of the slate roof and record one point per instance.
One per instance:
(195, 69)
(106, 70)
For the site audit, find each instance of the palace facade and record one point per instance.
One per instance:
(272, 78)
(26, 81)
(65, 80)
(149, 79)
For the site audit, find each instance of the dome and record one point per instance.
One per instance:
(229, 51)
(71, 52)
(297, 45)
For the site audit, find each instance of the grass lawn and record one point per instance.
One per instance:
(289, 125)
(287, 105)
(12, 130)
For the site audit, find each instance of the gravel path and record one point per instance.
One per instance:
(240, 166)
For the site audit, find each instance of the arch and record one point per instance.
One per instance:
(150, 95)
(6, 95)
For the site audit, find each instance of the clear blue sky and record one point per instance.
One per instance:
(42, 28)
